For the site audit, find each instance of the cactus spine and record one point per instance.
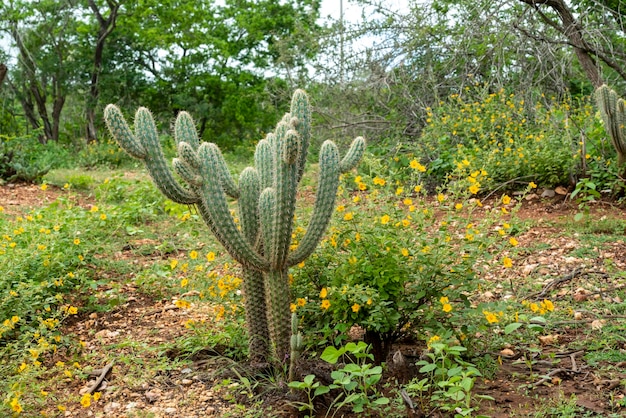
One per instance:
(613, 112)
(266, 197)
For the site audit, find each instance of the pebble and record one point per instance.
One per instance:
(111, 406)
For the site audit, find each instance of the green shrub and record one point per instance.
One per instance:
(408, 269)
(510, 140)
(25, 159)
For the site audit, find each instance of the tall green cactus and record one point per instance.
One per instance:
(613, 112)
(266, 197)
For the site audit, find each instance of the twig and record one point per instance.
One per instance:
(547, 377)
(552, 284)
(105, 370)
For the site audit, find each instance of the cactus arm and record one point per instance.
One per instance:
(613, 114)
(264, 161)
(353, 156)
(248, 204)
(324, 203)
(121, 132)
(224, 175)
(214, 201)
(145, 145)
(301, 112)
(286, 188)
(267, 211)
(185, 130)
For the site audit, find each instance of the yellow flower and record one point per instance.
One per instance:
(67, 373)
(385, 219)
(72, 310)
(97, 396)
(534, 307)
(184, 282)
(547, 305)
(94, 209)
(513, 242)
(474, 189)
(1, 209)
(441, 197)
(341, 208)
(491, 317)
(458, 206)
(408, 201)
(406, 222)
(76, 241)
(300, 301)
(399, 191)
(356, 307)
(193, 254)
(85, 401)
(15, 319)
(532, 185)
(292, 307)
(44, 187)
(506, 199)
(348, 216)
(415, 165)
(61, 408)
(508, 263)
(417, 188)
(325, 304)
(443, 300)
(447, 307)
(380, 182)
(66, 186)
(15, 405)
(182, 304)
(405, 252)
(323, 293)
(173, 264)
(362, 186)
(432, 340)
(356, 199)
(210, 256)
(369, 301)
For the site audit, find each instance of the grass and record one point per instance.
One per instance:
(122, 253)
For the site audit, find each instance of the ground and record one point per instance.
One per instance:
(551, 375)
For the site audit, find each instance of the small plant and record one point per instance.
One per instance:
(449, 380)
(356, 382)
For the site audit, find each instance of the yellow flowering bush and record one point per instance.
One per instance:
(400, 264)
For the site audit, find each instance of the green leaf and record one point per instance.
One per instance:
(331, 354)
(321, 390)
(512, 327)
(428, 368)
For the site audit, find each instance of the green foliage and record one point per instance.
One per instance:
(26, 159)
(407, 269)
(354, 384)
(506, 137)
(449, 380)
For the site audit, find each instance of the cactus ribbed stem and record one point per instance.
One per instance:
(613, 112)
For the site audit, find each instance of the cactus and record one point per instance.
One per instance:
(613, 112)
(266, 196)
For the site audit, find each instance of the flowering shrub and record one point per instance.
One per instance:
(410, 268)
(508, 138)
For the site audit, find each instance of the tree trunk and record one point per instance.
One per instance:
(3, 73)
(573, 30)
(106, 26)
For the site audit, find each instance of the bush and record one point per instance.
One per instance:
(500, 134)
(26, 159)
(407, 270)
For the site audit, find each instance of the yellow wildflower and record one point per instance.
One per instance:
(508, 263)
(15, 405)
(506, 199)
(513, 242)
(348, 216)
(325, 304)
(385, 219)
(491, 317)
(323, 293)
(356, 307)
(210, 256)
(85, 401)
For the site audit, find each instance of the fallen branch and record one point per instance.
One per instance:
(105, 370)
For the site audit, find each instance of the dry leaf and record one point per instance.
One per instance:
(507, 352)
(598, 324)
(548, 339)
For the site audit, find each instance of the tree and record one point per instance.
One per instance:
(105, 27)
